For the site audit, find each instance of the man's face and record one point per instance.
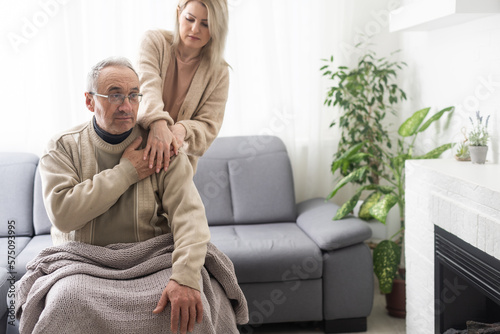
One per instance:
(114, 118)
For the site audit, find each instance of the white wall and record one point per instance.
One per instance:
(457, 65)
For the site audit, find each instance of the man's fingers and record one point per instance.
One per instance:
(162, 303)
(174, 319)
(192, 317)
(199, 312)
(185, 319)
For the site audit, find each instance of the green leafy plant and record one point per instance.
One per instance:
(462, 152)
(387, 254)
(479, 135)
(364, 94)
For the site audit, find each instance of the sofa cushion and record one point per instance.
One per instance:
(11, 248)
(272, 252)
(5, 286)
(41, 221)
(17, 174)
(32, 249)
(315, 219)
(212, 182)
(262, 189)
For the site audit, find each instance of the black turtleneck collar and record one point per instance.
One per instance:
(108, 137)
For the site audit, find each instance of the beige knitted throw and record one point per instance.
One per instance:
(81, 288)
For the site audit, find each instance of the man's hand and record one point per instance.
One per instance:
(161, 145)
(135, 157)
(186, 306)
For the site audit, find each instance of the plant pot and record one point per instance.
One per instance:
(478, 154)
(396, 300)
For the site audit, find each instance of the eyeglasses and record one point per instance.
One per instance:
(134, 98)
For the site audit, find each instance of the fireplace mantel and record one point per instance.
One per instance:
(463, 199)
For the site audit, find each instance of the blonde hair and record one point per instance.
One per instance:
(217, 25)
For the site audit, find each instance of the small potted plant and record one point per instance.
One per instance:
(478, 139)
(462, 153)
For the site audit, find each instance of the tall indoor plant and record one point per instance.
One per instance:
(364, 94)
(387, 254)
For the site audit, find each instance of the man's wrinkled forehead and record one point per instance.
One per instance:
(118, 79)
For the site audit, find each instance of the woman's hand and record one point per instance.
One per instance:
(161, 145)
(179, 132)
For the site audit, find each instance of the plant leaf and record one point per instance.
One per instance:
(385, 189)
(410, 126)
(436, 153)
(380, 210)
(434, 118)
(386, 259)
(358, 174)
(346, 155)
(364, 210)
(347, 207)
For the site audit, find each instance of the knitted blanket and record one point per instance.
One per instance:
(82, 288)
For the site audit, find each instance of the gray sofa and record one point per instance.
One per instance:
(293, 262)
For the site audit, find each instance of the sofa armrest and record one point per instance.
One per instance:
(4, 288)
(315, 219)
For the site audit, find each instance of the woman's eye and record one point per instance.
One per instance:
(205, 25)
(189, 19)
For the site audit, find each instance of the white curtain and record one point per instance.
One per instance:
(274, 48)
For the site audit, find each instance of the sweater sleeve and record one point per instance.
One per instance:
(204, 126)
(71, 202)
(186, 214)
(152, 52)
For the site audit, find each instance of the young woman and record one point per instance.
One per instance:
(185, 81)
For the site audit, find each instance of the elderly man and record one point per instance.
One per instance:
(99, 190)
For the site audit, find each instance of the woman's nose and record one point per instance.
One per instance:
(196, 27)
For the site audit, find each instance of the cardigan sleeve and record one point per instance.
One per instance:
(206, 122)
(153, 51)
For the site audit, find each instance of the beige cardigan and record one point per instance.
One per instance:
(203, 109)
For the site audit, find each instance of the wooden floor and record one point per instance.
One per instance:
(379, 322)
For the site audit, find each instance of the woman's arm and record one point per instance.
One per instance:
(154, 54)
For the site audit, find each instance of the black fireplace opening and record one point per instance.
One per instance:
(467, 283)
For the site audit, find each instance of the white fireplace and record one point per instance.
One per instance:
(463, 199)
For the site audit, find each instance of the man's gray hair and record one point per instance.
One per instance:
(93, 76)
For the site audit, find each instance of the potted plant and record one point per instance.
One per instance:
(462, 153)
(387, 254)
(478, 139)
(364, 94)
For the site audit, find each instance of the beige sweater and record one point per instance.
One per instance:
(92, 195)
(203, 109)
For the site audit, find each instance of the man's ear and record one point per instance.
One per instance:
(89, 101)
